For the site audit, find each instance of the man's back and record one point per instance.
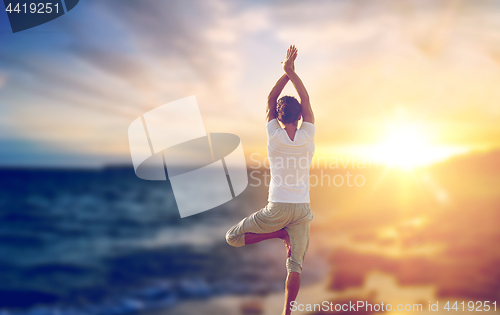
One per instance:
(290, 161)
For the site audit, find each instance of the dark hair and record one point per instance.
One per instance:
(288, 109)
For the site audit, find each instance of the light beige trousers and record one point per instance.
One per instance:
(294, 217)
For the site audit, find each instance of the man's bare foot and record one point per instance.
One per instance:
(286, 239)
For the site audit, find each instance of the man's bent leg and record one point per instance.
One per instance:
(252, 238)
(259, 226)
(292, 286)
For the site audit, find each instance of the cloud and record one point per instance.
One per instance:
(3, 80)
(113, 60)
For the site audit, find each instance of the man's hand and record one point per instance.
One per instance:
(289, 63)
(288, 66)
(286, 239)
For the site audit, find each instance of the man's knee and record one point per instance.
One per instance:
(235, 240)
(293, 266)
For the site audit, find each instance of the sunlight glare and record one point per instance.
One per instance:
(407, 145)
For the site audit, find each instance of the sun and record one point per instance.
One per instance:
(408, 145)
(405, 146)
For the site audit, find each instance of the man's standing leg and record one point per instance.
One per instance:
(292, 286)
(299, 242)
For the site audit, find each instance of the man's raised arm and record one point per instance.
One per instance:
(307, 113)
(272, 98)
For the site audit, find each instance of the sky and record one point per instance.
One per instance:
(410, 82)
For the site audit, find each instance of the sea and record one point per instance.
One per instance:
(102, 241)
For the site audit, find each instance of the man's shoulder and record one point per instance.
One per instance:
(308, 130)
(272, 128)
(307, 125)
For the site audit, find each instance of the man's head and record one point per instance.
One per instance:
(288, 110)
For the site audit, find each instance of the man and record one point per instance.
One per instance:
(287, 215)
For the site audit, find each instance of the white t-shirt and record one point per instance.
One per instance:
(290, 162)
